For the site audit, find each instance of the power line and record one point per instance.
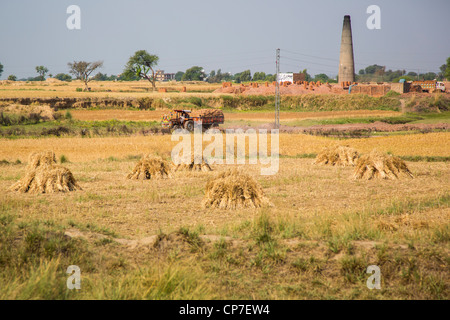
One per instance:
(305, 61)
(308, 55)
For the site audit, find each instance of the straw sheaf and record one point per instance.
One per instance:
(337, 156)
(376, 165)
(203, 165)
(151, 167)
(233, 189)
(47, 179)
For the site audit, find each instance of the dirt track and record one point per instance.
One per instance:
(145, 115)
(367, 127)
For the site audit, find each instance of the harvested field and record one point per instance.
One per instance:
(318, 212)
(85, 150)
(107, 89)
(43, 111)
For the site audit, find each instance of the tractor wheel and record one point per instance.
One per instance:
(189, 126)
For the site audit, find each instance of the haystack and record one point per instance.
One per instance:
(151, 167)
(380, 166)
(43, 175)
(233, 189)
(207, 113)
(192, 166)
(47, 179)
(337, 156)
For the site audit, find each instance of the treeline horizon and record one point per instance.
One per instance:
(372, 73)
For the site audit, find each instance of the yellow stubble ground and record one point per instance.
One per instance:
(89, 149)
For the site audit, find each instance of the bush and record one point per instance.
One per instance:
(68, 115)
(79, 89)
(144, 103)
(392, 93)
(63, 159)
(195, 101)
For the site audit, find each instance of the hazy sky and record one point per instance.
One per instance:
(233, 35)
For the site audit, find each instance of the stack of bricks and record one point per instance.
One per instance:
(254, 85)
(267, 84)
(162, 90)
(183, 89)
(226, 84)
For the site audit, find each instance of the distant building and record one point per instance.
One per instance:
(161, 76)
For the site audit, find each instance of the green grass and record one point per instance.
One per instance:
(77, 128)
(35, 254)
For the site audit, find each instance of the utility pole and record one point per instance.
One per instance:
(277, 92)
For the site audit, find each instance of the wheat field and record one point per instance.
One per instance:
(89, 149)
(152, 239)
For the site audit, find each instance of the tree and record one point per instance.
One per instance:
(41, 70)
(270, 77)
(82, 70)
(140, 64)
(307, 75)
(12, 77)
(179, 75)
(63, 77)
(407, 78)
(259, 76)
(361, 72)
(246, 76)
(1, 69)
(428, 76)
(322, 77)
(242, 76)
(447, 70)
(100, 77)
(373, 69)
(194, 74)
(217, 77)
(128, 77)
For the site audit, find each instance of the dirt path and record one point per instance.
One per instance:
(369, 127)
(155, 115)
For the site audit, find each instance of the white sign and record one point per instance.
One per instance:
(286, 77)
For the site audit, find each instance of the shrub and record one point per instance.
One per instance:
(68, 115)
(195, 101)
(63, 159)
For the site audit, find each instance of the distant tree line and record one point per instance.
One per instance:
(380, 74)
(142, 65)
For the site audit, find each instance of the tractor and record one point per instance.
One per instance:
(179, 119)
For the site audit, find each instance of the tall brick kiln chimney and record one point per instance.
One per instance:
(346, 61)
